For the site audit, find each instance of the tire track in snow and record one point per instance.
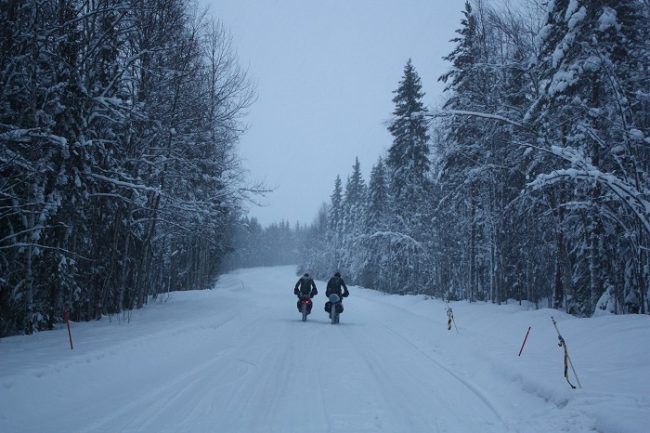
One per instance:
(559, 420)
(380, 374)
(481, 395)
(148, 403)
(473, 389)
(143, 410)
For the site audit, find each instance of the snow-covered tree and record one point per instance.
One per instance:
(377, 212)
(118, 173)
(538, 188)
(590, 64)
(408, 156)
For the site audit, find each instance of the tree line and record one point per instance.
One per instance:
(530, 182)
(254, 245)
(119, 177)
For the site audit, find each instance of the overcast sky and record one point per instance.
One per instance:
(325, 72)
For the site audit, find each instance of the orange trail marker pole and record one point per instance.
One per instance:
(524, 343)
(67, 322)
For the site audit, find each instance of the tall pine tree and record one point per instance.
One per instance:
(408, 156)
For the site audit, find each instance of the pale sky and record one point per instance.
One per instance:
(324, 73)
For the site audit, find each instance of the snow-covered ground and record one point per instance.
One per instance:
(238, 359)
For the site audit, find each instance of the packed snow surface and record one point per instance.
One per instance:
(238, 359)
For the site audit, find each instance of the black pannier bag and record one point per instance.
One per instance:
(328, 307)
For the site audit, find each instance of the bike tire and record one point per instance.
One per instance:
(304, 312)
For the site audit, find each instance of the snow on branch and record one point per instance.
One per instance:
(582, 170)
(482, 115)
(123, 183)
(25, 135)
(397, 238)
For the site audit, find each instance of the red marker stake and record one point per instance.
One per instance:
(67, 321)
(524, 343)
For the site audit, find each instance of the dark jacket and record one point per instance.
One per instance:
(334, 285)
(305, 285)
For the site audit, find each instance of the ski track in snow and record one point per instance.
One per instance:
(237, 359)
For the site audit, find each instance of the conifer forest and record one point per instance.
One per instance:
(529, 183)
(120, 178)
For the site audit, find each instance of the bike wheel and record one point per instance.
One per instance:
(304, 312)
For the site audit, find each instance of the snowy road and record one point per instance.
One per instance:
(238, 359)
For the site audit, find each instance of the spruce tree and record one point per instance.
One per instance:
(377, 212)
(335, 225)
(408, 156)
(462, 58)
(335, 219)
(461, 154)
(355, 198)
